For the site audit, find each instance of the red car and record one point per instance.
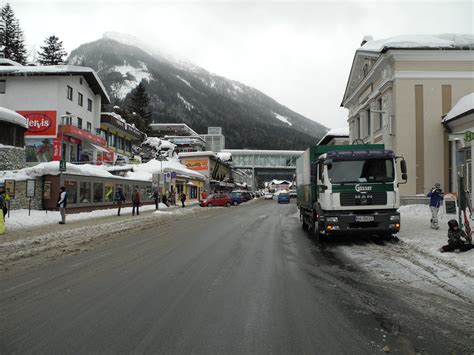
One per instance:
(216, 200)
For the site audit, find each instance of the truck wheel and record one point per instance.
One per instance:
(318, 237)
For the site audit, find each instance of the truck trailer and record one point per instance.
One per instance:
(349, 189)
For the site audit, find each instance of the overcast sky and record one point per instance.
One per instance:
(299, 53)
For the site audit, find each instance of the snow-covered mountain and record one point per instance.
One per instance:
(183, 92)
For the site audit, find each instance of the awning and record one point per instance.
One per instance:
(98, 147)
(190, 183)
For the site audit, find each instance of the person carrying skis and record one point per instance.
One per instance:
(436, 196)
(455, 239)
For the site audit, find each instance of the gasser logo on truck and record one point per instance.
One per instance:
(360, 188)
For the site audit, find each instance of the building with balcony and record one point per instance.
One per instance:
(397, 92)
(119, 135)
(59, 101)
(180, 134)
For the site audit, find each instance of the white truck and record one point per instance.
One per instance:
(348, 189)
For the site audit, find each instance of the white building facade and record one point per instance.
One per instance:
(397, 93)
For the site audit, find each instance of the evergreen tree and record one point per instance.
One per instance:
(52, 53)
(139, 104)
(12, 40)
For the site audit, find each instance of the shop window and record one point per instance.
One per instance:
(89, 105)
(85, 192)
(80, 99)
(149, 192)
(109, 192)
(98, 192)
(3, 86)
(69, 93)
(128, 192)
(71, 189)
(193, 193)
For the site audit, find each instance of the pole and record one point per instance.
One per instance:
(62, 145)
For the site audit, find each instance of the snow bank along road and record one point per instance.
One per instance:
(226, 280)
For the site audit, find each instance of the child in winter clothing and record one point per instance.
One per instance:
(455, 239)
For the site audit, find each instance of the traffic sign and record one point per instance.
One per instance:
(62, 165)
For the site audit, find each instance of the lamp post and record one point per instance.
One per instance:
(62, 160)
(160, 158)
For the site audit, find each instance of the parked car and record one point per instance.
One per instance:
(235, 198)
(217, 200)
(244, 195)
(268, 196)
(283, 197)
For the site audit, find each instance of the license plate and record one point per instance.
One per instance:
(364, 218)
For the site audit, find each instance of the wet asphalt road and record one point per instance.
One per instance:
(227, 280)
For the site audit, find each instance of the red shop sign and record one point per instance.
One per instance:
(40, 123)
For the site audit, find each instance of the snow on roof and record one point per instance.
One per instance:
(52, 168)
(197, 154)
(448, 40)
(338, 132)
(145, 171)
(89, 74)
(465, 104)
(267, 152)
(10, 116)
(159, 143)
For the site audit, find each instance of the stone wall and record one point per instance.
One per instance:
(12, 158)
(21, 201)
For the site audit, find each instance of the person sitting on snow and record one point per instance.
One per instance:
(455, 239)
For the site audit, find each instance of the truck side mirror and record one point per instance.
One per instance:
(403, 167)
(404, 176)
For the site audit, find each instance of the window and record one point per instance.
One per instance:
(3, 86)
(71, 189)
(89, 105)
(368, 122)
(89, 127)
(80, 99)
(109, 192)
(98, 192)
(379, 107)
(79, 122)
(357, 128)
(80, 81)
(69, 93)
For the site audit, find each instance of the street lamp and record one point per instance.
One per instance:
(160, 158)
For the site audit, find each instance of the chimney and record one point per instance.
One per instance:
(366, 39)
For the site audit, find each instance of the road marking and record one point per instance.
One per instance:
(90, 259)
(22, 284)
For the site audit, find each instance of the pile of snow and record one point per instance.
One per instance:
(283, 119)
(421, 41)
(10, 116)
(132, 77)
(146, 171)
(159, 144)
(52, 168)
(224, 156)
(465, 104)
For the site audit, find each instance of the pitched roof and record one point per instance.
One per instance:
(464, 106)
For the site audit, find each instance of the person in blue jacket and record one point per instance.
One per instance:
(436, 196)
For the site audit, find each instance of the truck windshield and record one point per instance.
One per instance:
(370, 170)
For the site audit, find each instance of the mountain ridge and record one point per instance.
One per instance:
(183, 92)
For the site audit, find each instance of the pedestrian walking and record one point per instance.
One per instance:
(3, 203)
(62, 204)
(172, 198)
(135, 202)
(183, 199)
(458, 240)
(120, 199)
(436, 196)
(203, 195)
(156, 197)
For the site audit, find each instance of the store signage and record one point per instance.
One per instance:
(10, 188)
(81, 134)
(197, 164)
(40, 123)
(468, 136)
(30, 188)
(56, 150)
